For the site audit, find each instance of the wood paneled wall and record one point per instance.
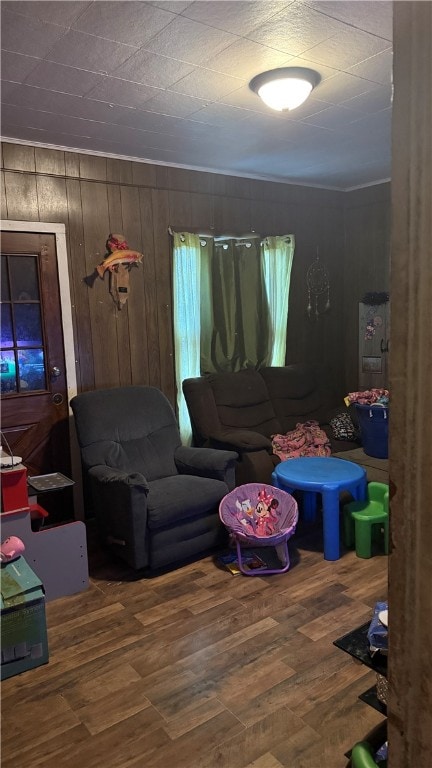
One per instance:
(94, 196)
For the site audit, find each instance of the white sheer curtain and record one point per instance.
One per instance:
(277, 256)
(187, 326)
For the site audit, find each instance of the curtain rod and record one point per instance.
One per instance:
(220, 238)
(194, 231)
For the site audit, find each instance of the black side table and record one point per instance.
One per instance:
(57, 511)
(357, 645)
(50, 482)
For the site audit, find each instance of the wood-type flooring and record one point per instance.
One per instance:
(198, 668)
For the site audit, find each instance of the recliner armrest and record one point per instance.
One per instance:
(120, 504)
(203, 458)
(206, 462)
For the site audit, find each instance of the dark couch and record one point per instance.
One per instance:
(241, 411)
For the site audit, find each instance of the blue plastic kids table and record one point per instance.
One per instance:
(327, 476)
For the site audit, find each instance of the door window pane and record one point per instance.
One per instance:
(5, 293)
(28, 325)
(6, 326)
(23, 359)
(31, 369)
(24, 278)
(7, 372)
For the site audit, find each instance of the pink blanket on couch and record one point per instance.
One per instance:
(307, 439)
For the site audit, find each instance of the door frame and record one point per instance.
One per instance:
(59, 230)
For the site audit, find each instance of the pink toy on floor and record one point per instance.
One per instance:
(11, 548)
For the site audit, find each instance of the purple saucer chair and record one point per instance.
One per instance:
(259, 515)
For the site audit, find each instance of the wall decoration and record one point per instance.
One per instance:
(318, 285)
(373, 321)
(118, 261)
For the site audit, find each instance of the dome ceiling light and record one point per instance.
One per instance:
(285, 88)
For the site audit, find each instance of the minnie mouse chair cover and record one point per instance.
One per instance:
(260, 515)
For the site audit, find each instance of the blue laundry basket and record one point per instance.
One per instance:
(373, 422)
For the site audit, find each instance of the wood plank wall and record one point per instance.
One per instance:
(94, 196)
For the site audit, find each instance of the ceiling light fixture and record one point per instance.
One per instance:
(285, 88)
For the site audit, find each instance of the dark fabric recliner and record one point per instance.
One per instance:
(155, 501)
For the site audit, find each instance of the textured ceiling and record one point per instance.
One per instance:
(168, 82)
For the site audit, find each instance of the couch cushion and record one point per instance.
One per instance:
(242, 401)
(297, 395)
(174, 499)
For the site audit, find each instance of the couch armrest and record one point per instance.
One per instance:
(120, 504)
(256, 467)
(206, 462)
(242, 440)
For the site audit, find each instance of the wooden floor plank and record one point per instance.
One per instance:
(197, 668)
(192, 747)
(265, 761)
(263, 736)
(48, 749)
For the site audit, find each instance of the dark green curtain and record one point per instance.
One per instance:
(235, 322)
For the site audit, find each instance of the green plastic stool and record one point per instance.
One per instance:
(362, 756)
(361, 516)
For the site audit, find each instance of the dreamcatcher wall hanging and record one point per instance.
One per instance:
(318, 287)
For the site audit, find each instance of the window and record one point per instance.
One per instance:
(230, 305)
(22, 364)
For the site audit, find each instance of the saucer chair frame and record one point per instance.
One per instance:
(283, 528)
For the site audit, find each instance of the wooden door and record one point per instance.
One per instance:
(35, 414)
